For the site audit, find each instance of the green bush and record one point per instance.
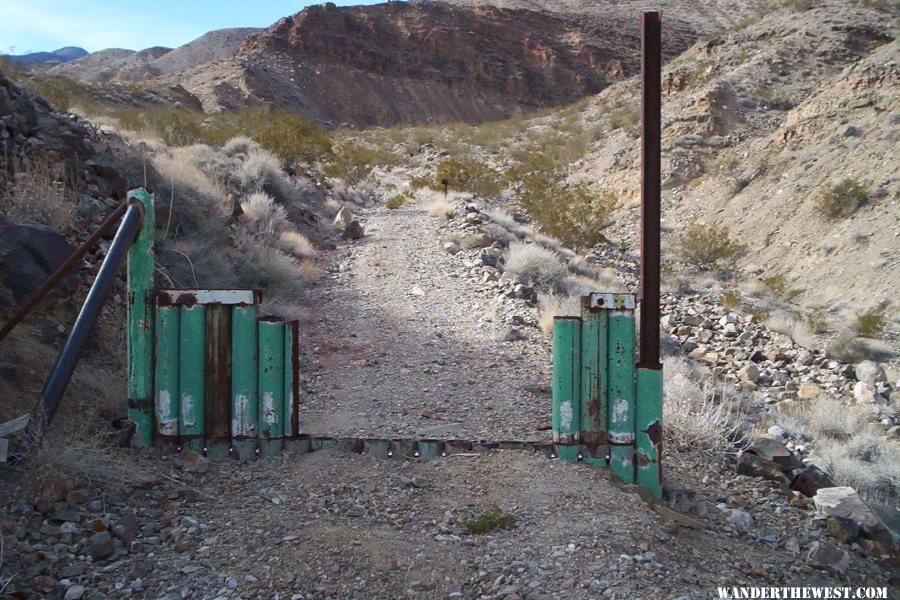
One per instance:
(709, 247)
(730, 299)
(841, 200)
(467, 175)
(573, 214)
(353, 162)
(871, 322)
(490, 521)
(780, 287)
(398, 200)
(626, 118)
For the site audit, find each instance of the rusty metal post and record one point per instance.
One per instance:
(217, 413)
(141, 265)
(651, 133)
(649, 380)
(62, 270)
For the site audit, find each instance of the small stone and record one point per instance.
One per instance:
(417, 291)
(867, 394)
(126, 528)
(100, 545)
(740, 519)
(354, 231)
(749, 373)
(451, 248)
(510, 334)
(843, 529)
(809, 391)
(829, 557)
(192, 462)
(870, 372)
(76, 592)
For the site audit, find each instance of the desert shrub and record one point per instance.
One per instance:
(841, 199)
(816, 321)
(39, 190)
(865, 461)
(708, 247)
(262, 218)
(573, 214)
(730, 299)
(239, 144)
(535, 266)
(508, 223)
(698, 412)
(420, 182)
(398, 200)
(353, 162)
(491, 520)
(850, 349)
(259, 266)
(174, 126)
(830, 418)
(296, 244)
(61, 91)
(195, 202)
(872, 322)
(790, 325)
(260, 171)
(441, 208)
(469, 175)
(779, 286)
(626, 118)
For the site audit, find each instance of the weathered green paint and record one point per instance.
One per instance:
(141, 264)
(244, 381)
(565, 414)
(429, 449)
(378, 448)
(192, 376)
(318, 443)
(594, 325)
(166, 384)
(621, 393)
(217, 411)
(271, 386)
(648, 429)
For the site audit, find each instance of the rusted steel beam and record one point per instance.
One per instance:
(68, 357)
(218, 380)
(651, 144)
(64, 268)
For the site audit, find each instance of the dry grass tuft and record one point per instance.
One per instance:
(262, 218)
(535, 266)
(698, 412)
(297, 244)
(39, 191)
(441, 208)
(554, 305)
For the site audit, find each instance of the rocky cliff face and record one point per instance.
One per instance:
(424, 62)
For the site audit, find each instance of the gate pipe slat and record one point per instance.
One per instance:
(271, 386)
(217, 410)
(291, 393)
(141, 265)
(565, 414)
(621, 393)
(68, 356)
(166, 384)
(593, 383)
(192, 377)
(648, 429)
(244, 381)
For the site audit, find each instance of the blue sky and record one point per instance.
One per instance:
(43, 25)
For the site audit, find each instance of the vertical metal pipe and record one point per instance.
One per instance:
(68, 357)
(141, 264)
(621, 393)
(565, 414)
(244, 381)
(648, 429)
(651, 132)
(271, 385)
(217, 410)
(166, 384)
(192, 376)
(593, 383)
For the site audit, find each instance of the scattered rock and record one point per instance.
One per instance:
(829, 557)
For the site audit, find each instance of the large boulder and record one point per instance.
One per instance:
(29, 254)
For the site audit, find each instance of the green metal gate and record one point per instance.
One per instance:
(606, 409)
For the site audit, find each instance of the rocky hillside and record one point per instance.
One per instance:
(758, 128)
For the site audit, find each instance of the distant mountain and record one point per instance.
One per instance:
(123, 65)
(32, 59)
